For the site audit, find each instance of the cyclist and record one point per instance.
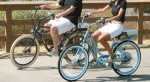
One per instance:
(63, 21)
(114, 25)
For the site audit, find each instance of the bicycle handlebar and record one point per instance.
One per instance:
(101, 20)
(36, 8)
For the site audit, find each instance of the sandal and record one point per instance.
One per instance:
(110, 61)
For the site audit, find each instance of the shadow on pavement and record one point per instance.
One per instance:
(38, 68)
(132, 78)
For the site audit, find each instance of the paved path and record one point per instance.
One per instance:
(45, 70)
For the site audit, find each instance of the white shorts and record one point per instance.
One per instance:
(113, 29)
(63, 24)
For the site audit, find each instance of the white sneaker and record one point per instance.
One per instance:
(53, 53)
(108, 64)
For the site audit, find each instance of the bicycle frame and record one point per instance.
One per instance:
(92, 45)
(35, 29)
(40, 34)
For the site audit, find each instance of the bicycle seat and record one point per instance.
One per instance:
(130, 34)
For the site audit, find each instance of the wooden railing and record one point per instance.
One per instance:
(8, 7)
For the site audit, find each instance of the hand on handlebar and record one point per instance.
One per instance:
(42, 7)
(107, 20)
(58, 16)
(88, 14)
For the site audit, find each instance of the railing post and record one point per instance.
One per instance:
(8, 31)
(140, 23)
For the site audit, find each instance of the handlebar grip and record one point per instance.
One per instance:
(37, 7)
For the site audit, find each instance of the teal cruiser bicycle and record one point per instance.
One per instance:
(127, 61)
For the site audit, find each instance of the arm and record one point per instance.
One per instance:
(121, 11)
(100, 10)
(107, 7)
(66, 12)
(50, 6)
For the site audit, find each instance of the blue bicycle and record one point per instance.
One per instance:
(127, 61)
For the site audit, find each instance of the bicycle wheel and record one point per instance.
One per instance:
(128, 58)
(75, 38)
(24, 51)
(74, 69)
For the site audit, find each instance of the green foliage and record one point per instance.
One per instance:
(21, 14)
(21, 29)
(28, 14)
(2, 28)
(147, 10)
(2, 15)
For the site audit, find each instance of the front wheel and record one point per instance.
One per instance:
(74, 69)
(24, 51)
(128, 58)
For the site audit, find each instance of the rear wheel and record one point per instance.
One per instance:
(128, 58)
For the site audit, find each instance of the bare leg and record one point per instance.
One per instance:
(55, 37)
(47, 25)
(95, 36)
(103, 40)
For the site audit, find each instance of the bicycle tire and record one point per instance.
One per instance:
(19, 43)
(126, 58)
(63, 64)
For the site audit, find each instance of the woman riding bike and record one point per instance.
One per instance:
(114, 25)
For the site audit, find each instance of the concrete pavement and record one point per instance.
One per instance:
(45, 70)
